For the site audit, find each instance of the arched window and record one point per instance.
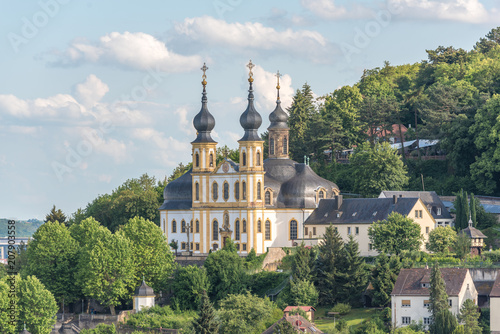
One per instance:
(259, 226)
(197, 160)
(215, 230)
(259, 196)
(293, 229)
(271, 146)
(197, 226)
(244, 159)
(237, 190)
(267, 234)
(211, 160)
(243, 190)
(215, 191)
(197, 191)
(321, 194)
(257, 157)
(174, 226)
(267, 198)
(237, 230)
(225, 191)
(244, 226)
(285, 145)
(191, 226)
(183, 226)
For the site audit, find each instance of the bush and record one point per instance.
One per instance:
(342, 308)
(494, 256)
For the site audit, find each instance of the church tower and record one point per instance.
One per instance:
(278, 129)
(203, 147)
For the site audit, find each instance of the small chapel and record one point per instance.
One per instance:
(256, 203)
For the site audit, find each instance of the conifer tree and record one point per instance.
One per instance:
(206, 323)
(438, 296)
(473, 203)
(56, 215)
(382, 281)
(469, 316)
(300, 265)
(444, 322)
(301, 112)
(462, 210)
(353, 276)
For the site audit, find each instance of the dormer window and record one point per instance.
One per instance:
(439, 211)
(426, 285)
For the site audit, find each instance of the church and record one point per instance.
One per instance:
(257, 203)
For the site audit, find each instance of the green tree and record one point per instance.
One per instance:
(382, 281)
(180, 170)
(442, 319)
(300, 113)
(353, 274)
(284, 327)
(462, 245)
(188, 285)
(326, 266)
(247, 313)
(52, 256)
(100, 329)
(395, 234)
(490, 42)
(301, 269)
(206, 322)
(37, 306)
(461, 205)
(150, 251)
(377, 168)
(441, 239)
(444, 322)
(469, 316)
(8, 311)
(303, 292)
(21, 258)
(55, 215)
(225, 274)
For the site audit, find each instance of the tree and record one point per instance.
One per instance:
(462, 245)
(188, 285)
(247, 313)
(6, 309)
(461, 206)
(326, 266)
(442, 319)
(225, 273)
(441, 239)
(55, 215)
(444, 322)
(469, 316)
(377, 168)
(301, 269)
(180, 170)
(37, 306)
(174, 244)
(206, 323)
(490, 42)
(353, 274)
(52, 257)
(284, 327)
(150, 251)
(382, 281)
(395, 234)
(303, 292)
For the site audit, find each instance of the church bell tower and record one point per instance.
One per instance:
(278, 129)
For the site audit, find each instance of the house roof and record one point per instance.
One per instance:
(144, 290)
(474, 233)
(303, 308)
(409, 282)
(358, 210)
(430, 199)
(298, 322)
(495, 291)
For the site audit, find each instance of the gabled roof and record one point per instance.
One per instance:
(359, 210)
(495, 291)
(409, 282)
(474, 233)
(430, 199)
(303, 308)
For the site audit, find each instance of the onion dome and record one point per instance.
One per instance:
(204, 122)
(278, 117)
(250, 120)
(144, 290)
(178, 194)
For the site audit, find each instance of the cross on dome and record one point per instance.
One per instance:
(204, 76)
(250, 73)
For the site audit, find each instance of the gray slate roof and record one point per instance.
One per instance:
(430, 199)
(144, 290)
(409, 282)
(358, 210)
(495, 291)
(474, 233)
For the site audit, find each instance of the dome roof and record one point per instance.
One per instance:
(178, 194)
(204, 122)
(278, 118)
(250, 120)
(144, 290)
(300, 190)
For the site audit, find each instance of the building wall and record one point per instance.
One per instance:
(142, 302)
(494, 312)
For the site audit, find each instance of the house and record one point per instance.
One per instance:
(410, 297)
(495, 307)
(308, 309)
(476, 238)
(299, 323)
(144, 296)
(353, 216)
(431, 200)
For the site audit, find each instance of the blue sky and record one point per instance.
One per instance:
(96, 92)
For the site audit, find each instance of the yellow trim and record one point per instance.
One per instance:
(270, 230)
(212, 192)
(212, 230)
(289, 228)
(173, 220)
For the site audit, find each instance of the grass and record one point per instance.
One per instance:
(353, 318)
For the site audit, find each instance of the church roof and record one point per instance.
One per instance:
(250, 120)
(178, 194)
(144, 290)
(204, 122)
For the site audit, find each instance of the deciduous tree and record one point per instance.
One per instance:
(441, 239)
(469, 316)
(188, 285)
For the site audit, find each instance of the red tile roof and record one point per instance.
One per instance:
(304, 308)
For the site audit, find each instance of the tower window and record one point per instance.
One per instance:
(174, 226)
(243, 190)
(258, 159)
(321, 194)
(268, 198)
(197, 191)
(197, 160)
(215, 230)
(271, 146)
(237, 190)
(215, 191)
(244, 226)
(267, 234)
(259, 196)
(211, 160)
(197, 226)
(183, 226)
(225, 191)
(244, 159)
(293, 229)
(259, 226)
(285, 145)
(237, 230)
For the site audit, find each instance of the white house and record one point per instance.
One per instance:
(410, 297)
(495, 307)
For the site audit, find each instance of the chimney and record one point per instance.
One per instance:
(394, 199)
(338, 202)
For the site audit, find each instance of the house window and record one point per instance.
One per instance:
(427, 230)
(314, 230)
(215, 191)
(258, 158)
(285, 145)
(215, 247)
(259, 196)
(237, 190)
(293, 229)
(426, 285)
(174, 226)
(197, 226)
(321, 194)
(215, 230)
(259, 226)
(268, 197)
(406, 303)
(191, 246)
(244, 226)
(450, 302)
(197, 246)
(307, 230)
(243, 190)
(427, 321)
(244, 247)
(267, 234)
(357, 230)
(183, 226)
(237, 247)
(427, 303)
(211, 160)
(225, 191)
(439, 211)
(406, 320)
(197, 191)
(183, 245)
(244, 159)
(197, 160)
(418, 213)
(237, 230)
(271, 146)
(348, 231)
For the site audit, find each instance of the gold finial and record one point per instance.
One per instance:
(204, 76)
(278, 76)
(250, 73)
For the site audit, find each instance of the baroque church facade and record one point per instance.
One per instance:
(257, 203)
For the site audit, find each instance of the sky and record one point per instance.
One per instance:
(97, 92)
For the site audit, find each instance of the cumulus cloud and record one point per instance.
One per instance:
(327, 9)
(91, 91)
(265, 89)
(60, 105)
(254, 36)
(138, 50)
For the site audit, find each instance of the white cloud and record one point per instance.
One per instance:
(265, 90)
(161, 142)
(254, 36)
(132, 50)
(105, 178)
(114, 148)
(184, 124)
(327, 9)
(60, 105)
(91, 91)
